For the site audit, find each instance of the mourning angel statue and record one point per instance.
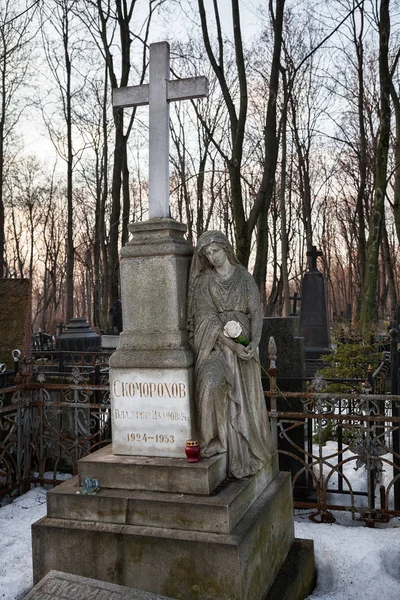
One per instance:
(225, 324)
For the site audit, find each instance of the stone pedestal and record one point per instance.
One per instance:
(168, 527)
(151, 376)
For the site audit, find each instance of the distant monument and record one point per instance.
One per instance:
(291, 372)
(314, 318)
(160, 523)
(115, 318)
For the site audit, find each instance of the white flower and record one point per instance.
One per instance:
(232, 329)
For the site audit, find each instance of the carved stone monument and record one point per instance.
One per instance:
(152, 369)
(153, 366)
(314, 318)
(160, 523)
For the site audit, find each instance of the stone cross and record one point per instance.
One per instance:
(313, 254)
(158, 93)
(295, 299)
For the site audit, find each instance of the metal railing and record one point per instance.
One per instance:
(46, 426)
(341, 445)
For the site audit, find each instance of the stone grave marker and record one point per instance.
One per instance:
(63, 586)
(151, 386)
(314, 318)
(158, 522)
(291, 371)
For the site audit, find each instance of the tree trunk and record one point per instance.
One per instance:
(70, 226)
(377, 215)
(266, 190)
(282, 197)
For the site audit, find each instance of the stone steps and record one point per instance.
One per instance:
(218, 513)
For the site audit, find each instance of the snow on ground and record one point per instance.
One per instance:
(15, 543)
(354, 562)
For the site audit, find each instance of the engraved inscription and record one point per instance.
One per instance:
(151, 411)
(154, 415)
(158, 438)
(130, 389)
(63, 589)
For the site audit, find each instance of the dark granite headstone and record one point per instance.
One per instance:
(63, 586)
(290, 351)
(15, 318)
(115, 317)
(290, 363)
(78, 336)
(314, 319)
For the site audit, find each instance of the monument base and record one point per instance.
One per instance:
(228, 543)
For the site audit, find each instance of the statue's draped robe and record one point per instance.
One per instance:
(231, 412)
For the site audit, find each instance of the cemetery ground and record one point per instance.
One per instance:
(354, 562)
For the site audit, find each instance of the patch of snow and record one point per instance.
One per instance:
(15, 543)
(354, 563)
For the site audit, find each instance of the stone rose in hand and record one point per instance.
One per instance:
(232, 329)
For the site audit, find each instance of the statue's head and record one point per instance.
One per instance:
(214, 239)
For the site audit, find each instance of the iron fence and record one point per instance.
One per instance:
(342, 448)
(45, 428)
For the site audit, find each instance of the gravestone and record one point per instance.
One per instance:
(159, 523)
(314, 318)
(115, 317)
(291, 371)
(78, 336)
(63, 586)
(15, 318)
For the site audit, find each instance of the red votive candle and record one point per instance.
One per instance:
(192, 451)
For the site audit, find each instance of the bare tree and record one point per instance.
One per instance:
(63, 45)
(15, 43)
(377, 215)
(114, 19)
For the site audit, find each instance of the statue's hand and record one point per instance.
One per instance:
(251, 349)
(241, 352)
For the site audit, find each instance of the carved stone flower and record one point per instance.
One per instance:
(232, 329)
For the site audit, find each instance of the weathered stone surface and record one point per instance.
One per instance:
(218, 513)
(152, 413)
(154, 275)
(180, 564)
(297, 577)
(15, 318)
(64, 586)
(153, 474)
(153, 349)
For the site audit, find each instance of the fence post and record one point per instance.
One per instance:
(272, 372)
(394, 376)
